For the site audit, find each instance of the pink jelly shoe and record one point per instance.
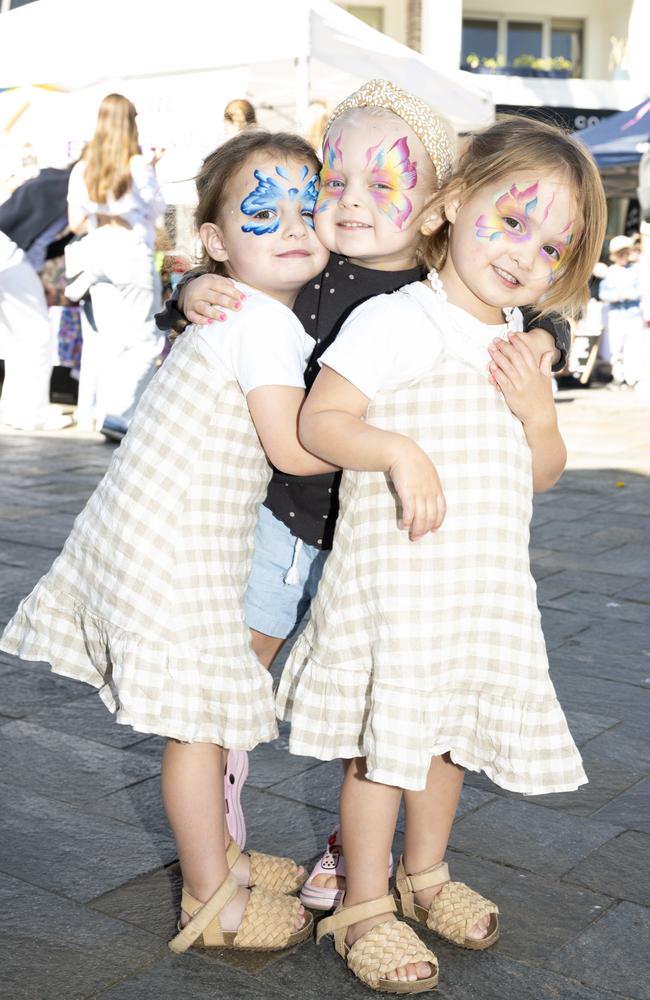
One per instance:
(318, 897)
(234, 777)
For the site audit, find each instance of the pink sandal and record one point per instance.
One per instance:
(318, 897)
(234, 777)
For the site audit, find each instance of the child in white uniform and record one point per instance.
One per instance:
(146, 600)
(424, 658)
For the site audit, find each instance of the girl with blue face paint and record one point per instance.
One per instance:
(145, 602)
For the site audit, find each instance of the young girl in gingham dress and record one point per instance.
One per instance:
(424, 654)
(145, 601)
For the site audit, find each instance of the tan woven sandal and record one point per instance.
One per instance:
(267, 871)
(385, 947)
(453, 911)
(267, 923)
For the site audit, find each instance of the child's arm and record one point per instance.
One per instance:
(526, 388)
(331, 425)
(275, 410)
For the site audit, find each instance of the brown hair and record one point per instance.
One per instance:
(240, 113)
(221, 166)
(519, 144)
(108, 154)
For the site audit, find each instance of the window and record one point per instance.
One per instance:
(508, 40)
(374, 16)
(480, 38)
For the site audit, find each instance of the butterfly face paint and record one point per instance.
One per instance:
(262, 203)
(392, 172)
(332, 183)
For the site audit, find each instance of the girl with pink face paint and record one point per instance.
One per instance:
(424, 654)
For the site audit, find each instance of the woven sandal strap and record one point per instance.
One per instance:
(192, 930)
(347, 915)
(430, 877)
(233, 851)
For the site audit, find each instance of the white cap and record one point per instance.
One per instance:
(618, 243)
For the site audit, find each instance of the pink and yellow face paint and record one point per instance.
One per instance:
(513, 217)
(332, 181)
(392, 172)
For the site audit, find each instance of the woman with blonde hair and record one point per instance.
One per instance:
(115, 196)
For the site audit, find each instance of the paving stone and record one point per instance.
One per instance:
(603, 636)
(631, 668)
(54, 949)
(194, 975)
(596, 583)
(282, 826)
(140, 805)
(619, 868)
(70, 851)
(66, 767)
(319, 786)
(623, 745)
(595, 694)
(600, 606)
(36, 560)
(153, 746)
(614, 953)
(631, 809)
(605, 782)
(585, 725)
(87, 717)
(537, 916)
(271, 763)
(561, 625)
(638, 590)
(23, 691)
(47, 532)
(528, 836)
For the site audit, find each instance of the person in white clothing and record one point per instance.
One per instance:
(621, 290)
(114, 196)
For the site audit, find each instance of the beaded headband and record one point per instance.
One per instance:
(427, 125)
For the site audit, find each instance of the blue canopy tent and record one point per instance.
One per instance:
(617, 144)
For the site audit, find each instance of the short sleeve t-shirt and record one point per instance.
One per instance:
(264, 344)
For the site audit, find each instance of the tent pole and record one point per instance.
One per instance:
(301, 64)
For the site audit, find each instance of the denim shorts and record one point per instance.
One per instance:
(283, 580)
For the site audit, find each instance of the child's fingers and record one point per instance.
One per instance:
(505, 363)
(441, 510)
(199, 316)
(419, 524)
(523, 351)
(503, 382)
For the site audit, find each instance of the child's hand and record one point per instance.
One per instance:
(423, 503)
(524, 384)
(201, 298)
(540, 342)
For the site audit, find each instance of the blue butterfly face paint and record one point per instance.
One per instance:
(262, 203)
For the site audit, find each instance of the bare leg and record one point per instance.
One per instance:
(192, 790)
(332, 881)
(429, 817)
(368, 817)
(265, 647)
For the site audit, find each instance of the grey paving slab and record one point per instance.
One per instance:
(23, 691)
(619, 868)
(69, 851)
(609, 584)
(86, 717)
(196, 976)
(614, 953)
(561, 625)
(595, 694)
(140, 805)
(630, 668)
(625, 745)
(151, 902)
(638, 590)
(66, 767)
(153, 746)
(47, 532)
(633, 638)
(270, 763)
(283, 826)
(605, 782)
(54, 949)
(631, 809)
(36, 560)
(585, 725)
(600, 606)
(530, 837)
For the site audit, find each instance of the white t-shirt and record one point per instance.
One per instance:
(139, 207)
(261, 344)
(400, 337)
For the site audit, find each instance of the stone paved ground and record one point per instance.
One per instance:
(88, 880)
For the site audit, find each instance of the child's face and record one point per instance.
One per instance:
(375, 178)
(267, 231)
(509, 240)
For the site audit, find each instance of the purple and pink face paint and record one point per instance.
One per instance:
(513, 211)
(390, 172)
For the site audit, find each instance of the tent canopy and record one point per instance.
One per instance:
(620, 139)
(157, 38)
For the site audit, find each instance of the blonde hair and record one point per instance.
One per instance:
(521, 144)
(108, 154)
(240, 113)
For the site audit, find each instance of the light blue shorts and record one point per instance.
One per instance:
(284, 578)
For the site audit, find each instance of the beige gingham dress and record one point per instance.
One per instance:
(415, 649)
(145, 602)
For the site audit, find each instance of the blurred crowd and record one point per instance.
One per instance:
(85, 260)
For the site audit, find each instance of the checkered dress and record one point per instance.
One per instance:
(145, 602)
(418, 648)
